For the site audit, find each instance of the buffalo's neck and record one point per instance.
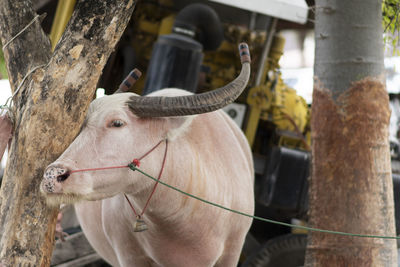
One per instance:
(166, 206)
(161, 205)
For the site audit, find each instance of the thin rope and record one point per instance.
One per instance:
(25, 77)
(99, 169)
(10, 99)
(24, 29)
(159, 177)
(134, 163)
(132, 208)
(3, 109)
(134, 168)
(32, 70)
(151, 150)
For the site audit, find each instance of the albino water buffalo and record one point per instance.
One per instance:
(207, 156)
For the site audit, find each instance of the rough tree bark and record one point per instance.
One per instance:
(48, 111)
(351, 185)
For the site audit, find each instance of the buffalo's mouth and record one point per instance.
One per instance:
(56, 199)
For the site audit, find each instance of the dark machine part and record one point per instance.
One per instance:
(201, 22)
(396, 191)
(282, 251)
(175, 62)
(176, 58)
(284, 184)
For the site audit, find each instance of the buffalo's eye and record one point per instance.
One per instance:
(117, 123)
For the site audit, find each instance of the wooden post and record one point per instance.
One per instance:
(48, 111)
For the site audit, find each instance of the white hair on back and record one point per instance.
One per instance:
(170, 92)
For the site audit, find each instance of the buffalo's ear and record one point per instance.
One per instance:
(172, 127)
(178, 126)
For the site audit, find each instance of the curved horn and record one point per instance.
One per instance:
(162, 106)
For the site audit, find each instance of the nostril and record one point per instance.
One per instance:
(63, 177)
(56, 173)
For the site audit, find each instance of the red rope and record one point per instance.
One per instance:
(98, 169)
(158, 178)
(151, 150)
(130, 204)
(136, 162)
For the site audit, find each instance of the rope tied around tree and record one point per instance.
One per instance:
(7, 105)
(41, 17)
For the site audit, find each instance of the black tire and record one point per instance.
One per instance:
(282, 251)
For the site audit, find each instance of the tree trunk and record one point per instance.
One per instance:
(48, 111)
(351, 186)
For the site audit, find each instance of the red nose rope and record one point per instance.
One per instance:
(139, 224)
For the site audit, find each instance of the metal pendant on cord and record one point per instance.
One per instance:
(139, 224)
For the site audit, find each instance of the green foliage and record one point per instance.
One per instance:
(3, 69)
(391, 23)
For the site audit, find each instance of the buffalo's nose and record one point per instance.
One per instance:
(53, 178)
(57, 172)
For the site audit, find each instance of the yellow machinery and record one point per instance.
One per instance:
(61, 18)
(279, 104)
(153, 20)
(272, 101)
